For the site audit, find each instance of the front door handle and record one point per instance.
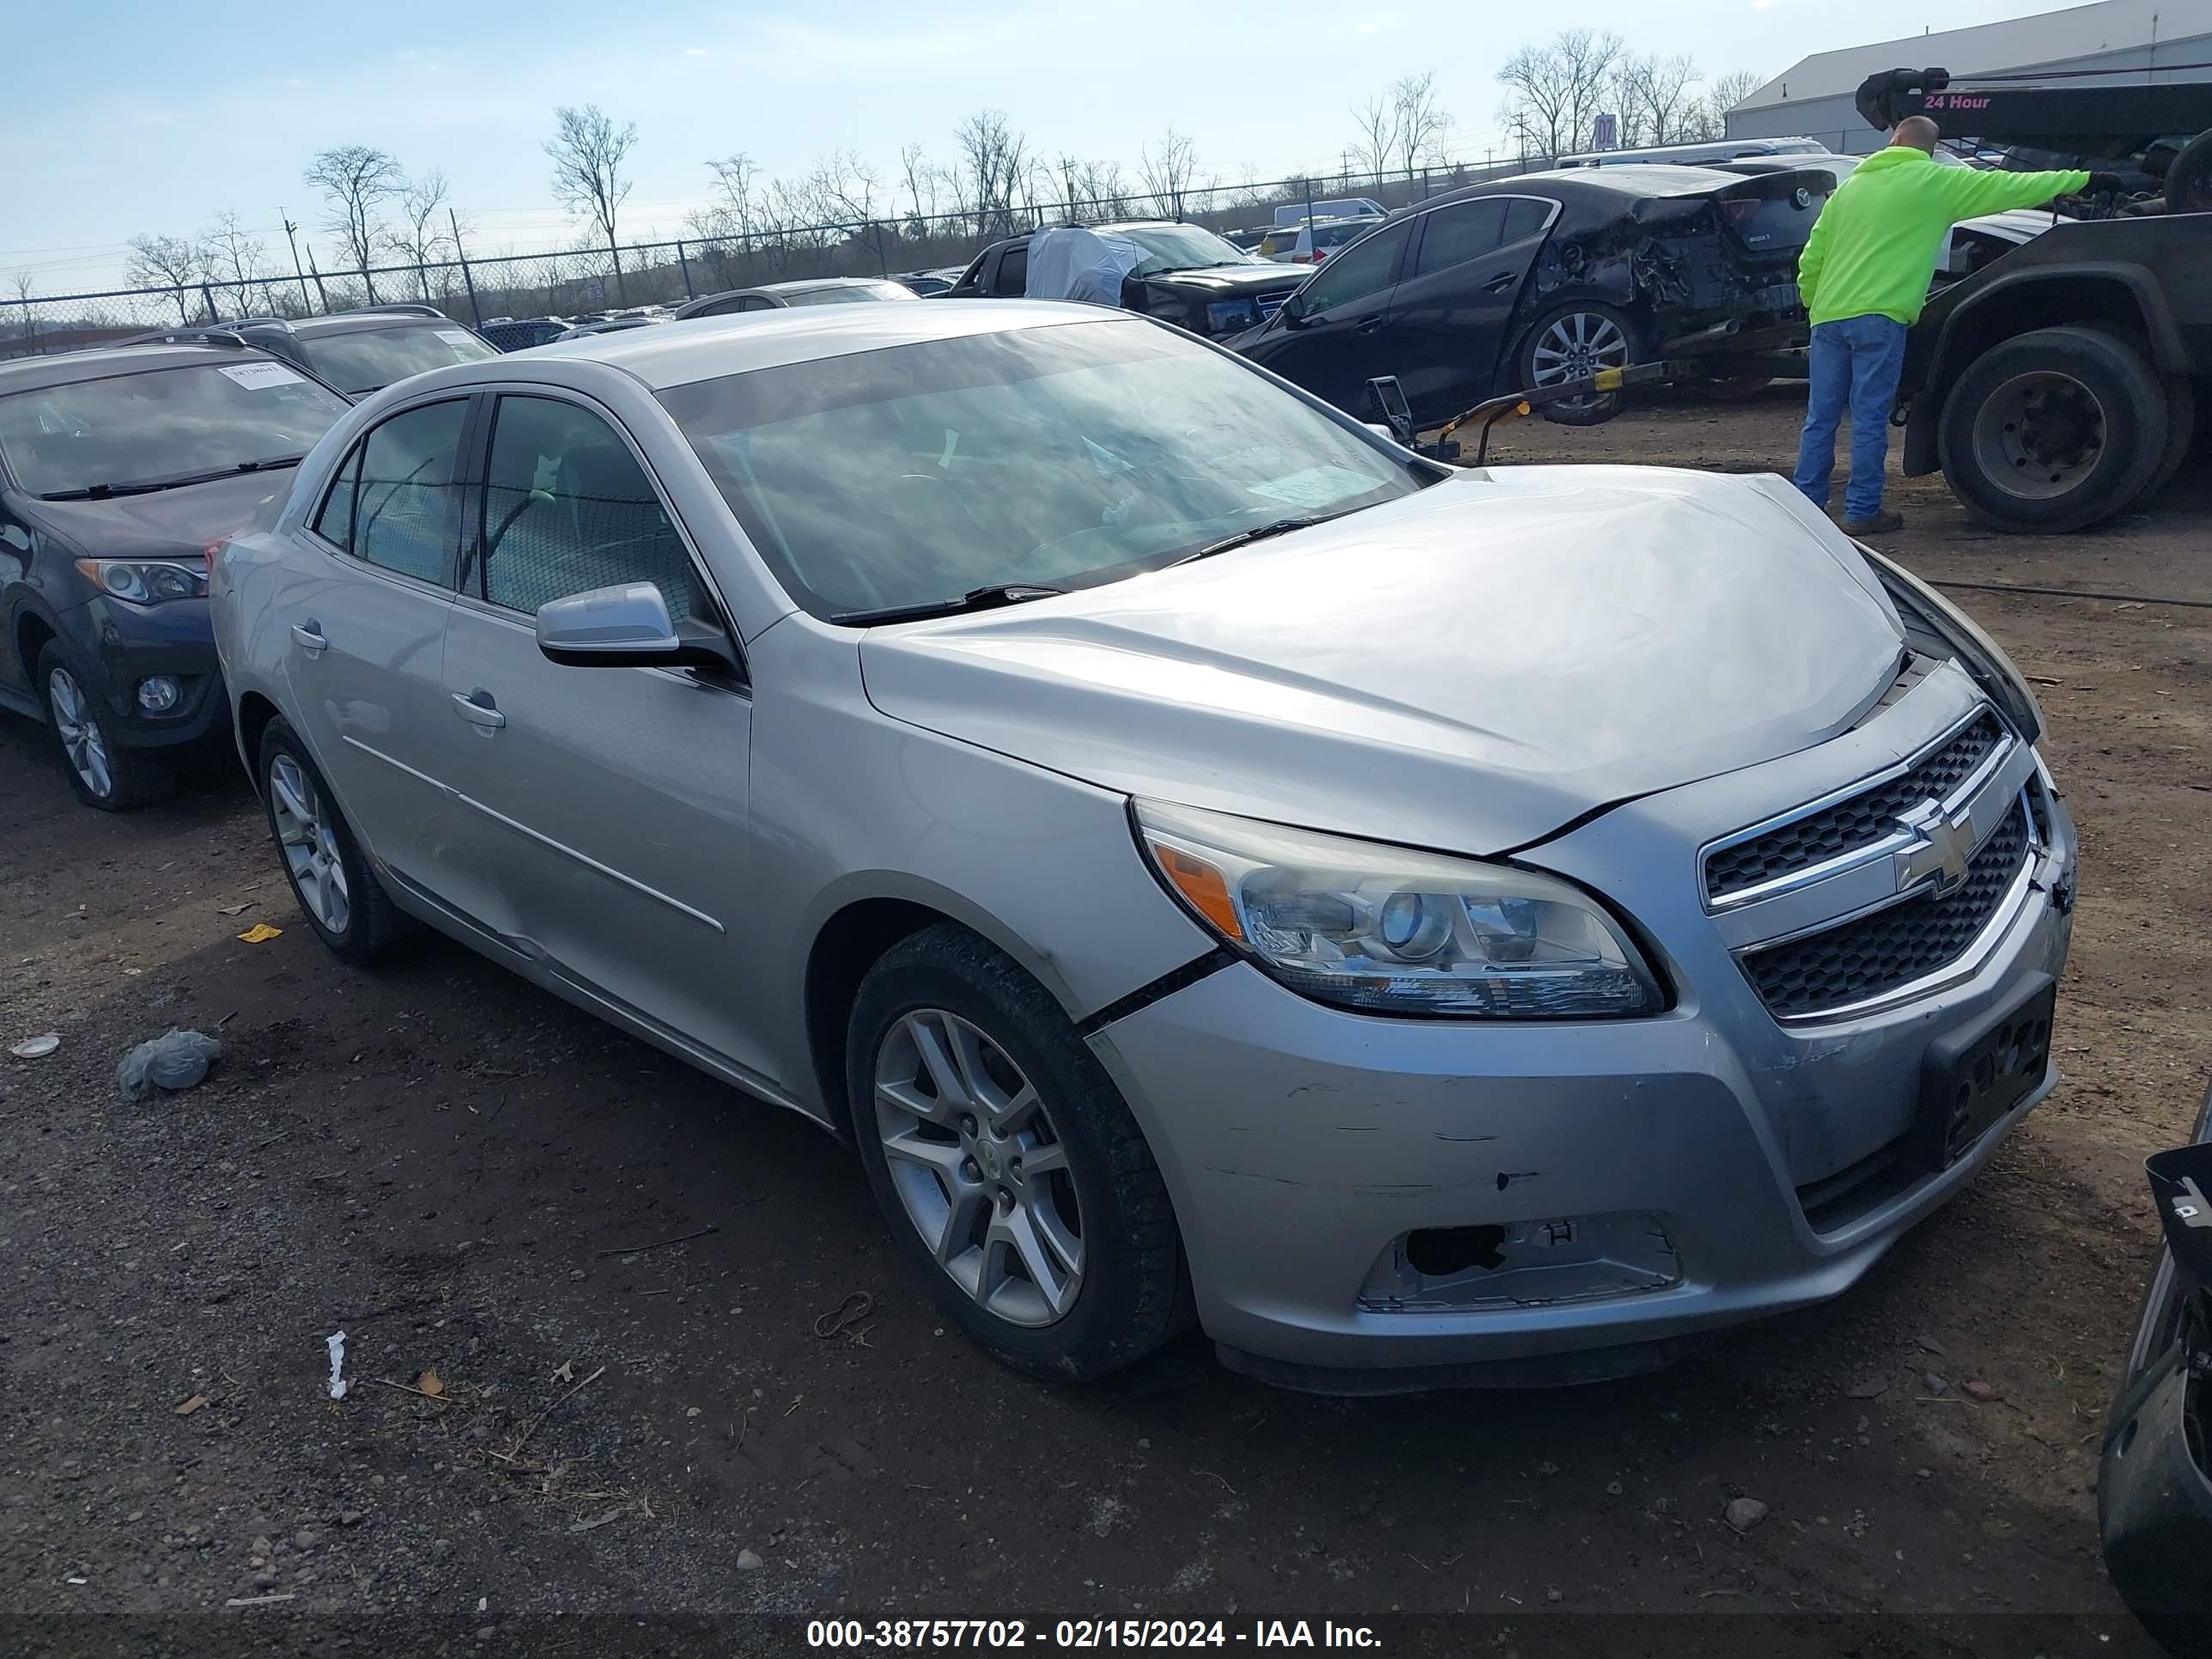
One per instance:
(1370, 326)
(308, 636)
(1498, 284)
(477, 709)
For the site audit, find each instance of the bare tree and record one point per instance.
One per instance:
(993, 172)
(1726, 91)
(1420, 119)
(1374, 133)
(1555, 91)
(919, 175)
(1169, 171)
(170, 262)
(425, 227)
(1658, 99)
(588, 150)
(27, 318)
(357, 180)
(1092, 190)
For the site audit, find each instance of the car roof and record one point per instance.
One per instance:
(807, 285)
(1633, 178)
(352, 322)
(106, 362)
(708, 348)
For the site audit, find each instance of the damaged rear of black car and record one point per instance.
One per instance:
(1525, 282)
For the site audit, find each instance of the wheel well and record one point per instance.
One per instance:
(2029, 306)
(31, 637)
(853, 941)
(254, 714)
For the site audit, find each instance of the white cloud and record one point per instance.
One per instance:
(695, 51)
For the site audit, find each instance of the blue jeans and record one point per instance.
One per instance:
(1854, 361)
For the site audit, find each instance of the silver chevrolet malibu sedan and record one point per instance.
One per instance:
(1426, 925)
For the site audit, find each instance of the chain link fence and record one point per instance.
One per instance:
(478, 287)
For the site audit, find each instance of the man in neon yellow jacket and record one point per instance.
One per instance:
(1864, 276)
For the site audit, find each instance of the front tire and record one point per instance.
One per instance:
(1010, 1169)
(332, 882)
(2052, 430)
(103, 773)
(1574, 340)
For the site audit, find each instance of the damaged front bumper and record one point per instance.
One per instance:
(1372, 1204)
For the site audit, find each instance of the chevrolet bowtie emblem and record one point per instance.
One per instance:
(1939, 860)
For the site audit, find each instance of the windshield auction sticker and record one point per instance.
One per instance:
(259, 377)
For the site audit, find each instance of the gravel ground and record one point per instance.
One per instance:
(589, 1408)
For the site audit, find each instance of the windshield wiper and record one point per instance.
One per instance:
(1258, 532)
(100, 492)
(994, 597)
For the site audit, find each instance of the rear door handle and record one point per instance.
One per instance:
(1498, 284)
(477, 709)
(308, 636)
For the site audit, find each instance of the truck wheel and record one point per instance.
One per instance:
(1574, 340)
(2053, 429)
(2188, 180)
(2180, 431)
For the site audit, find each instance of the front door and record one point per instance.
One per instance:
(363, 595)
(610, 805)
(1340, 337)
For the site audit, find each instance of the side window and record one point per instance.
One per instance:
(756, 302)
(1524, 216)
(1360, 270)
(1014, 279)
(1457, 233)
(400, 494)
(334, 523)
(567, 509)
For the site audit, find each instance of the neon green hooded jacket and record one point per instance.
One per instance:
(1874, 249)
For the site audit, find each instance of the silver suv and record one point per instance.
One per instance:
(1426, 925)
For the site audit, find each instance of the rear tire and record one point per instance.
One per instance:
(1570, 341)
(331, 880)
(2052, 430)
(102, 772)
(946, 1161)
(2180, 433)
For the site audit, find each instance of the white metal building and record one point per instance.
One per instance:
(1812, 97)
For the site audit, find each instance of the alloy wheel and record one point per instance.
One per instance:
(974, 1157)
(2040, 436)
(78, 727)
(1578, 345)
(310, 845)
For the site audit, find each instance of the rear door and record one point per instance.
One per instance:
(1340, 339)
(609, 807)
(1451, 318)
(363, 592)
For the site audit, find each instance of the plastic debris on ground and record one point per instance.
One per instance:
(260, 933)
(175, 1060)
(37, 1047)
(336, 1343)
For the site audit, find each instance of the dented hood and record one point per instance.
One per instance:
(1468, 669)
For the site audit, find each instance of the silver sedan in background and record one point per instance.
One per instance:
(1426, 925)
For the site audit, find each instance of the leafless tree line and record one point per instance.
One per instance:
(1556, 91)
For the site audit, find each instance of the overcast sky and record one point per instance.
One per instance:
(129, 117)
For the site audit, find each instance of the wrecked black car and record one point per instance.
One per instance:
(1524, 282)
(1181, 274)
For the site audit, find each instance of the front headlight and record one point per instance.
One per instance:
(1385, 930)
(145, 581)
(1229, 316)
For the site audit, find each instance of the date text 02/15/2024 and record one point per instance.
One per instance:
(1002, 1635)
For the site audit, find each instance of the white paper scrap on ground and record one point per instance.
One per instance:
(336, 1344)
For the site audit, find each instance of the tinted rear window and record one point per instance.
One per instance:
(363, 360)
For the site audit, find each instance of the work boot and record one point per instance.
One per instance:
(1879, 523)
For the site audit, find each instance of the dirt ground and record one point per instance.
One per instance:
(634, 1442)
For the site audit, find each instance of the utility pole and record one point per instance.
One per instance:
(321, 293)
(475, 311)
(289, 228)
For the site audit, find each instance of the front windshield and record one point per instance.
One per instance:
(1058, 457)
(364, 360)
(1182, 247)
(161, 424)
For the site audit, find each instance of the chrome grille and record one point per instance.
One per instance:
(1861, 821)
(1890, 947)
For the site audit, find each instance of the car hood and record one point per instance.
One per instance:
(1468, 669)
(1231, 279)
(167, 522)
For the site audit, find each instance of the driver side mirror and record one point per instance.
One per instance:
(2181, 1180)
(628, 627)
(1293, 312)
